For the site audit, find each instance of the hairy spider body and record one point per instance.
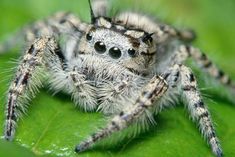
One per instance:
(128, 66)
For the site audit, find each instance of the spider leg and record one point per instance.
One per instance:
(11, 42)
(74, 82)
(99, 7)
(202, 60)
(152, 91)
(162, 32)
(184, 52)
(59, 23)
(29, 76)
(197, 108)
(184, 34)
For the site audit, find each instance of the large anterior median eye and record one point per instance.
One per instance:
(115, 53)
(100, 47)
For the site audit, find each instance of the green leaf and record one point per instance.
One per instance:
(12, 150)
(54, 126)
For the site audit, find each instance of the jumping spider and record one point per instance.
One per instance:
(126, 66)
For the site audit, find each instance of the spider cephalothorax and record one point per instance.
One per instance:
(131, 48)
(128, 66)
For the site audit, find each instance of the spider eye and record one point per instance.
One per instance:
(100, 47)
(89, 36)
(131, 52)
(115, 52)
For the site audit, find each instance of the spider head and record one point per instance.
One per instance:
(131, 48)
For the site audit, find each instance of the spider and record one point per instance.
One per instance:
(129, 67)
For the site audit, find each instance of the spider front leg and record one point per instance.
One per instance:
(28, 79)
(196, 107)
(151, 92)
(74, 82)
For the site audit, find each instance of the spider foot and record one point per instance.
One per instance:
(82, 147)
(219, 153)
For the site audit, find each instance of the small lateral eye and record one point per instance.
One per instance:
(88, 36)
(100, 47)
(131, 52)
(115, 53)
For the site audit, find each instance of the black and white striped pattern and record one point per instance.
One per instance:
(197, 109)
(26, 82)
(184, 52)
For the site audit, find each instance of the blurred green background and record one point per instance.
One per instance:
(53, 125)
